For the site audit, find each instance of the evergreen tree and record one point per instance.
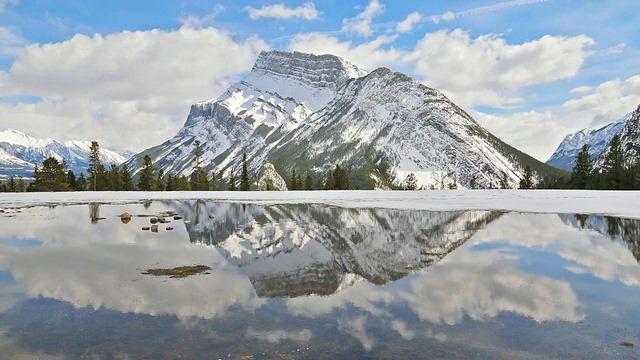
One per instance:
(146, 179)
(232, 181)
(330, 184)
(504, 181)
(213, 184)
(220, 181)
(96, 169)
(203, 181)
(308, 183)
(299, 183)
(51, 177)
(411, 182)
(473, 183)
(581, 174)
(294, 180)
(614, 164)
(342, 181)
(13, 187)
(21, 185)
(71, 179)
(81, 183)
(527, 180)
(160, 181)
(115, 178)
(244, 177)
(127, 180)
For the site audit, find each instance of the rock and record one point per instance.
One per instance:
(177, 217)
(125, 220)
(153, 220)
(187, 221)
(169, 228)
(154, 228)
(211, 216)
(125, 215)
(145, 228)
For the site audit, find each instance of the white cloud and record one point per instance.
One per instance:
(489, 71)
(407, 24)
(608, 101)
(307, 11)
(11, 45)
(581, 89)
(535, 133)
(361, 24)
(4, 3)
(367, 55)
(197, 22)
(126, 88)
(448, 16)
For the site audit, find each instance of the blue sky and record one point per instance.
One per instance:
(125, 72)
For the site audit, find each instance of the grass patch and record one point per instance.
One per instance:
(178, 272)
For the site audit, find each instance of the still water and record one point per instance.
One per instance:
(313, 282)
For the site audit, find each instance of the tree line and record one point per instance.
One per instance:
(54, 175)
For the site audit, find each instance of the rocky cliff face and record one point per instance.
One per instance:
(629, 142)
(309, 113)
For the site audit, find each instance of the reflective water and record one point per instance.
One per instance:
(304, 281)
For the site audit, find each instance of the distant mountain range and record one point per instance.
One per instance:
(597, 140)
(19, 153)
(628, 127)
(308, 113)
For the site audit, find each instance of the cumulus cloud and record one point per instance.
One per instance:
(407, 24)
(526, 129)
(488, 71)
(11, 44)
(141, 83)
(361, 24)
(368, 55)
(198, 22)
(307, 11)
(606, 102)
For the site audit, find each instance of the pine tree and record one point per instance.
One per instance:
(299, 183)
(13, 187)
(213, 184)
(146, 179)
(473, 183)
(294, 180)
(308, 183)
(232, 181)
(504, 181)
(244, 177)
(51, 177)
(96, 169)
(81, 183)
(330, 184)
(21, 184)
(160, 181)
(614, 164)
(581, 174)
(127, 180)
(71, 179)
(411, 182)
(527, 180)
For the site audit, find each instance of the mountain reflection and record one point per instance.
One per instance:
(297, 250)
(618, 229)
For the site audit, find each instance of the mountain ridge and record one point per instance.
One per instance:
(310, 112)
(19, 153)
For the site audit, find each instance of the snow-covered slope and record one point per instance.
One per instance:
(309, 113)
(597, 140)
(629, 142)
(20, 152)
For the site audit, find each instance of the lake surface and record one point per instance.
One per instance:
(313, 282)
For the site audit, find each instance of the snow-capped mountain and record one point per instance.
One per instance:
(597, 139)
(294, 250)
(309, 113)
(629, 142)
(19, 153)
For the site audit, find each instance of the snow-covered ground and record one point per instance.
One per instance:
(616, 203)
